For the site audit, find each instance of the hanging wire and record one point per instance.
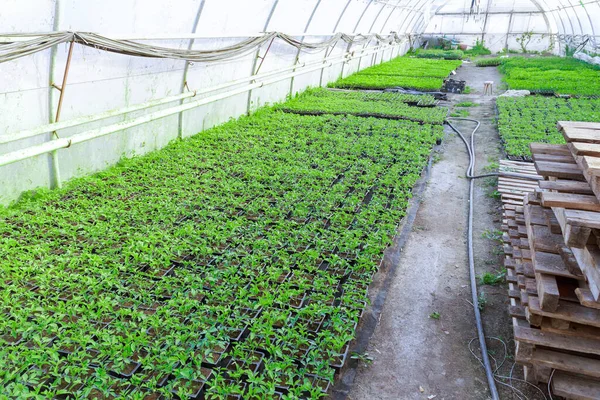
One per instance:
(40, 42)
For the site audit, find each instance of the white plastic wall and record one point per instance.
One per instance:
(99, 81)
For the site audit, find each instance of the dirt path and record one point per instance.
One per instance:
(416, 355)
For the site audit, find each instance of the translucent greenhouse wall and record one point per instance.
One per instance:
(499, 24)
(557, 26)
(99, 81)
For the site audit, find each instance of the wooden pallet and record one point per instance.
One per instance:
(584, 145)
(577, 210)
(513, 189)
(551, 240)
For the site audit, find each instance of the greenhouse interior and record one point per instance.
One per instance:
(300, 199)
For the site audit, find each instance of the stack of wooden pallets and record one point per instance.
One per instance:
(553, 264)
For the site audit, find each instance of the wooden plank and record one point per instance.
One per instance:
(577, 236)
(509, 263)
(552, 264)
(524, 299)
(567, 311)
(516, 164)
(584, 149)
(528, 270)
(511, 277)
(586, 298)
(548, 294)
(515, 190)
(575, 387)
(571, 201)
(566, 186)
(516, 311)
(577, 124)
(563, 362)
(582, 135)
(509, 180)
(546, 148)
(593, 181)
(532, 199)
(530, 286)
(514, 294)
(591, 165)
(588, 260)
(571, 329)
(559, 170)
(512, 201)
(535, 215)
(574, 234)
(545, 240)
(567, 159)
(570, 261)
(556, 340)
(513, 197)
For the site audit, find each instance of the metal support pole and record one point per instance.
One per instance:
(510, 23)
(186, 69)
(347, 61)
(337, 23)
(358, 24)
(53, 167)
(57, 183)
(256, 57)
(63, 87)
(327, 54)
(262, 59)
(312, 15)
(487, 13)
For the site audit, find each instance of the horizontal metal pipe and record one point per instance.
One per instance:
(89, 118)
(61, 143)
(152, 103)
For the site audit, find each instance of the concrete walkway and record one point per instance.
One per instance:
(415, 355)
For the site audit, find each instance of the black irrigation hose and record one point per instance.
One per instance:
(484, 353)
(470, 171)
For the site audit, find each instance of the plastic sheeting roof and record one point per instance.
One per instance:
(570, 17)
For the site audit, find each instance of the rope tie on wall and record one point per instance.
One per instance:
(40, 42)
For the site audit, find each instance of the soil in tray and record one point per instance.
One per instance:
(194, 387)
(233, 396)
(93, 357)
(126, 370)
(11, 340)
(213, 357)
(67, 389)
(158, 272)
(236, 334)
(119, 390)
(161, 378)
(253, 362)
(319, 382)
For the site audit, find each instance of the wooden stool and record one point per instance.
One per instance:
(488, 88)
